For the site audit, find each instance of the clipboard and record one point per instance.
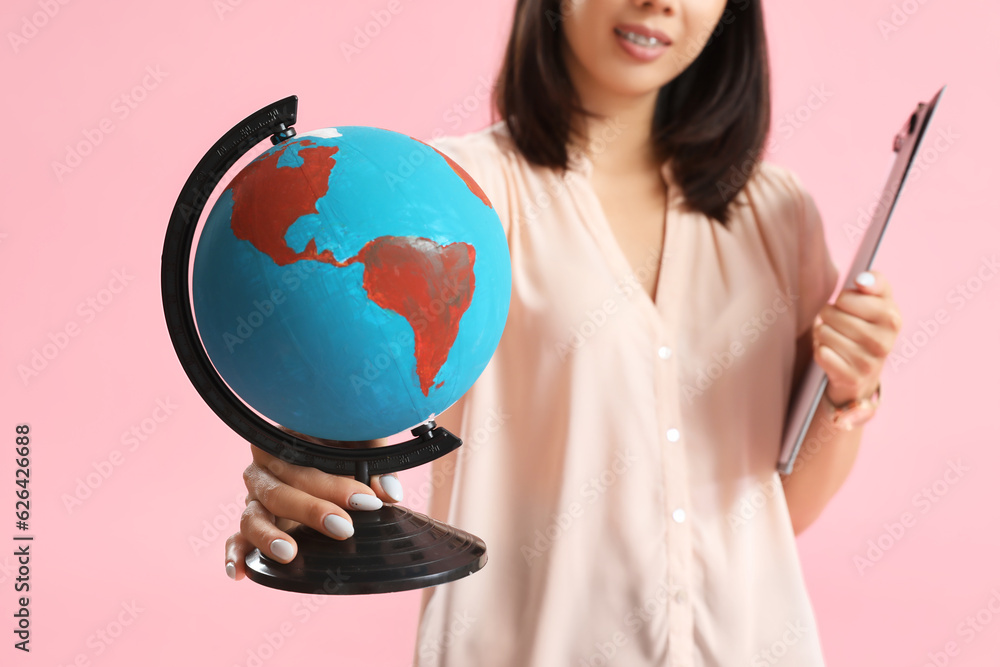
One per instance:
(807, 397)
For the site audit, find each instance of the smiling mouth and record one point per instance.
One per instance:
(640, 40)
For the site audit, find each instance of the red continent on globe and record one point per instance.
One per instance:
(409, 275)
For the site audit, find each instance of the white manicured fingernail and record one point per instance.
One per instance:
(865, 278)
(364, 501)
(231, 569)
(338, 525)
(392, 487)
(282, 550)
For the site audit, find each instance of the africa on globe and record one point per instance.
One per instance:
(351, 283)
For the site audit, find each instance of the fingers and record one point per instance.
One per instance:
(281, 495)
(237, 548)
(290, 489)
(257, 528)
(871, 303)
(870, 321)
(313, 498)
(335, 488)
(845, 362)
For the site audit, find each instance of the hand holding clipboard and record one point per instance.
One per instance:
(814, 381)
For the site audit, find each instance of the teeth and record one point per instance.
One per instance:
(639, 39)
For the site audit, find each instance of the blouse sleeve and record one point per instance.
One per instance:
(817, 274)
(480, 157)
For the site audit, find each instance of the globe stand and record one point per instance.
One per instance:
(392, 549)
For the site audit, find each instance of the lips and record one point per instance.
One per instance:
(622, 28)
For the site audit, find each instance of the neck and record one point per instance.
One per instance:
(619, 139)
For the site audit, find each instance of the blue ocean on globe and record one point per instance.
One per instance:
(351, 283)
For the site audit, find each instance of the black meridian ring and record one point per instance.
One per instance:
(274, 121)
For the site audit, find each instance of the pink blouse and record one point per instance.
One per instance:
(619, 456)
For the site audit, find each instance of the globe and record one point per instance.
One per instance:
(351, 283)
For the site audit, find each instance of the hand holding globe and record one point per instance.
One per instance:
(338, 299)
(281, 496)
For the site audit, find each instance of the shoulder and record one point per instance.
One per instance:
(776, 187)
(780, 201)
(490, 158)
(490, 148)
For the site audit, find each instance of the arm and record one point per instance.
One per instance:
(851, 345)
(817, 475)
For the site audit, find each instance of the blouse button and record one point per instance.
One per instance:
(673, 435)
(679, 515)
(664, 352)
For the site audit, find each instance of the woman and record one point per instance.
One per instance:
(668, 288)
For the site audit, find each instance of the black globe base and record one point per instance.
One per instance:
(392, 549)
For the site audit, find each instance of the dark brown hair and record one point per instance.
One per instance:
(710, 121)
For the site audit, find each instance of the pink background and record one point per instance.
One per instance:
(132, 542)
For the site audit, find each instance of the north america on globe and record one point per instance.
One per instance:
(428, 284)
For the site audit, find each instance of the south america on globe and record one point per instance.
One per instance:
(351, 283)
